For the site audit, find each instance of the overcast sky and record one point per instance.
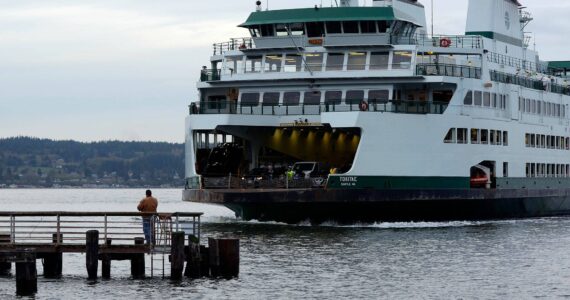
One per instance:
(126, 69)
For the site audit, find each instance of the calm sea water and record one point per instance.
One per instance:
(457, 260)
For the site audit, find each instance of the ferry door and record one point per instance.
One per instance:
(513, 105)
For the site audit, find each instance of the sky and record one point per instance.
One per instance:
(95, 70)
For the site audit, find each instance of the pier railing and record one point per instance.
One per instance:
(370, 105)
(68, 228)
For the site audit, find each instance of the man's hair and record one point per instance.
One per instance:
(148, 193)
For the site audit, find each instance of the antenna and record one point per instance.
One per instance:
(432, 18)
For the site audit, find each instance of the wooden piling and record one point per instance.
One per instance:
(204, 261)
(92, 253)
(228, 250)
(26, 274)
(137, 262)
(177, 255)
(213, 257)
(5, 267)
(53, 262)
(193, 257)
(106, 262)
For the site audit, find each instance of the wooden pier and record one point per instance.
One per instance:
(107, 236)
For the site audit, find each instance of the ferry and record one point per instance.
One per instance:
(355, 113)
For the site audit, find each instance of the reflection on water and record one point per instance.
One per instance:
(491, 259)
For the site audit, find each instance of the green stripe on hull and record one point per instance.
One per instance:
(397, 182)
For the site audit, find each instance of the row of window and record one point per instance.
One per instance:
(477, 136)
(547, 170)
(541, 108)
(320, 29)
(486, 99)
(316, 62)
(547, 141)
(314, 97)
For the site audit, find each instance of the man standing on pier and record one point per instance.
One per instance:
(148, 205)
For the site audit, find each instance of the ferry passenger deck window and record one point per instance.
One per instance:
(462, 135)
(368, 26)
(250, 99)
(333, 97)
(379, 60)
(356, 61)
(281, 30)
(484, 136)
(293, 63)
(402, 60)
(255, 32)
(474, 136)
(450, 136)
(505, 138)
(253, 64)
(291, 98)
(234, 65)
(382, 26)
(487, 99)
(314, 61)
(478, 98)
(315, 29)
(271, 99)
(267, 30)
(378, 96)
(334, 27)
(354, 97)
(297, 29)
(350, 27)
(273, 62)
(494, 102)
(335, 61)
(312, 98)
(468, 98)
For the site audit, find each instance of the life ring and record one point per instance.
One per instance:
(445, 42)
(363, 105)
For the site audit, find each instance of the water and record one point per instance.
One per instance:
(454, 260)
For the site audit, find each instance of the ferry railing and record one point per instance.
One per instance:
(234, 44)
(210, 74)
(349, 105)
(448, 70)
(69, 228)
(449, 41)
(531, 83)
